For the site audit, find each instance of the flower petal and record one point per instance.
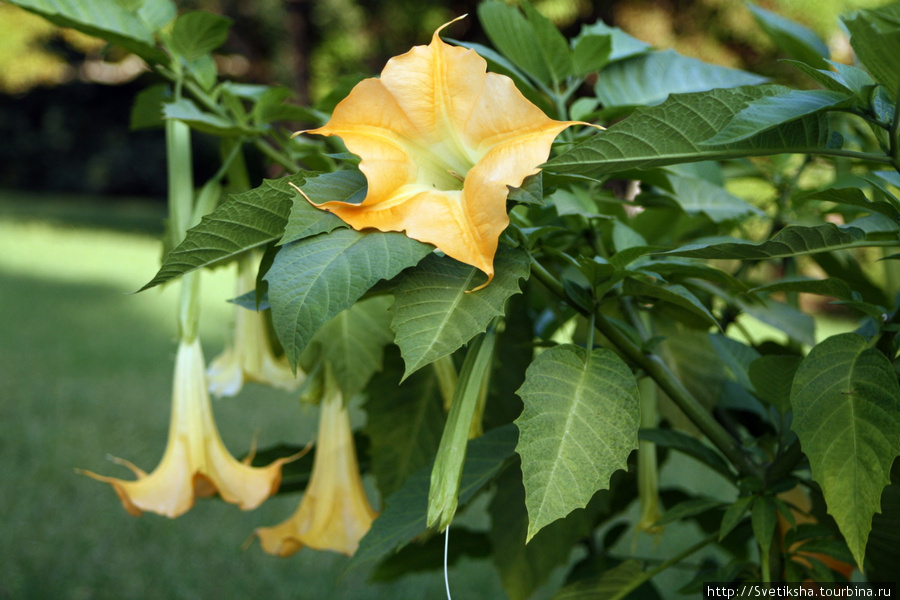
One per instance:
(196, 462)
(440, 140)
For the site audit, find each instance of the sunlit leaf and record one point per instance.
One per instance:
(674, 131)
(792, 38)
(767, 113)
(245, 221)
(649, 79)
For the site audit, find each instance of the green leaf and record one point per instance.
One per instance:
(404, 422)
(354, 340)
(695, 195)
(831, 286)
(772, 377)
(675, 294)
(793, 240)
(313, 279)
(522, 567)
(734, 514)
(403, 517)
(843, 78)
(689, 445)
(147, 110)
(763, 518)
(853, 196)
(795, 40)
(579, 425)
(623, 45)
(533, 43)
(649, 79)
(688, 508)
(185, 110)
(199, 32)
(590, 51)
(846, 402)
(674, 131)
(434, 315)
(875, 36)
(784, 317)
(247, 220)
(133, 30)
(767, 113)
(306, 220)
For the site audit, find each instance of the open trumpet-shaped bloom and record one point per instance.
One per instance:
(440, 139)
(334, 513)
(196, 462)
(250, 356)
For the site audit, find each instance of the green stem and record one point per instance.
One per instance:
(657, 369)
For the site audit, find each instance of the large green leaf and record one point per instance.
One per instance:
(579, 425)
(247, 220)
(133, 29)
(434, 313)
(403, 517)
(354, 340)
(846, 403)
(875, 36)
(313, 279)
(790, 241)
(405, 422)
(767, 113)
(795, 40)
(650, 79)
(674, 132)
(530, 41)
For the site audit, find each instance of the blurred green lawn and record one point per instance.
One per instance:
(85, 371)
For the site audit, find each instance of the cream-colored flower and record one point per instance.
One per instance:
(334, 513)
(196, 462)
(249, 357)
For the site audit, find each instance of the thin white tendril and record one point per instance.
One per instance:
(446, 548)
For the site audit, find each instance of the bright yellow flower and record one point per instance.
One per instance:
(250, 357)
(334, 513)
(440, 141)
(196, 462)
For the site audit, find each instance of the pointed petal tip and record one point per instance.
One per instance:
(436, 36)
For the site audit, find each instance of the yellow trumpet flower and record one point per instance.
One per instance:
(250, 356)
(441, 140)
(196, 462)
(334, 513)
